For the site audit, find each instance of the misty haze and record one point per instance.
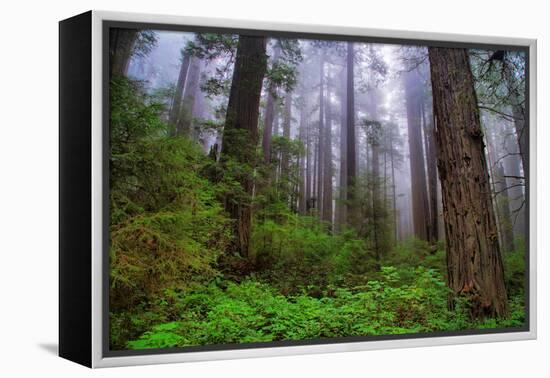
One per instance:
(266, 189)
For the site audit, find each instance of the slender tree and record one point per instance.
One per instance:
(341, 203)
(420, 208)
(321, 137)
(514, 181)
(185, 120)
(178, 93)
(327, 164)
(269, 114)
(431, 167)
(302, 136)
(350, 133)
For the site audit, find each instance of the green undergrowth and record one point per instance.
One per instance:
(225, 312)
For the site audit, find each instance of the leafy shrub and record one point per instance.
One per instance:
(167, 228)
(514, 269)
(256, 312)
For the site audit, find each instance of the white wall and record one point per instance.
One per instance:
(28, 167)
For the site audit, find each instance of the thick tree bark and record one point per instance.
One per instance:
(419, 191)
(350, 135)
(178, 93)
(474, 262)
(121, 48)
(240, 136)
(185, 120)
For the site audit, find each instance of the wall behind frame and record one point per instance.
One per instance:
(29, 191)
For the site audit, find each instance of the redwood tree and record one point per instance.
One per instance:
(178, 93)
(350, 134)
(121, 47)
(240, 136)
(474, 262)
(420, 207)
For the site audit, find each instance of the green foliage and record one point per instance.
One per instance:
(167, 227)
(174, 282)
(514, 269)
(146, 40)
(256, 312)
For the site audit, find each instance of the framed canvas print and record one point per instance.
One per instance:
(238, 189)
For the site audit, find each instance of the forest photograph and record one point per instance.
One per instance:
(267, 188)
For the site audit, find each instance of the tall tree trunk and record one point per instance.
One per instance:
(394, 198)
(376, 200)
(302, 135)
(121, 48)
(431, 164)
(418, 173)
(350, 135)
(309, 173)
(341, 203)
(502, 201)
(322, 146)
(178, 93)
(287, 117)
(185, 120)
(514, 182)
(240, 136)
(314, 189)
(269, 113)
(518, 112)
(327, 174)
(474, 262)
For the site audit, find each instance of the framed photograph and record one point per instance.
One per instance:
(234, 189)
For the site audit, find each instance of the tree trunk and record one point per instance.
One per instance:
(431, 164)
(474, 262)
(322, 146)
(241, 132)
(418, 173)
(287, 117)
(512, 169)
(121, 48)
(518, 112)
(269, 114)
(185, 119)
(341, 204)
(350, 136)
(502, 201)
(394, 198)
(178, 93)
(327, 174)
(302, 135)
(309, 173)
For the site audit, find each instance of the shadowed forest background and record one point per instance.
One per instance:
(266, 189)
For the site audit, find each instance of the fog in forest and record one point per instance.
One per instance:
(266, 188)
(384, 75)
